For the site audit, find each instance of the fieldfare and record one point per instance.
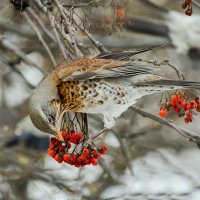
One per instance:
(106, 84)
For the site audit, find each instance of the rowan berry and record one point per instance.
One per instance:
(79, 136)
(86, 151)
(103, 149)
(64, 134)
(51, 152)
(93, 161)
(187, 120)
(59, 150)
(163, 112)
(66, 157)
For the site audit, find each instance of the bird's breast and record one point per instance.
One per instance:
(91, 96)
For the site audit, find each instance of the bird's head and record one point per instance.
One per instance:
(45, 107)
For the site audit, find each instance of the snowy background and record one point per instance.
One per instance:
(145, 160)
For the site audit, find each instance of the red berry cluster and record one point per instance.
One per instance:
(62, 151)
(187, 4)
(121, 14)
(182, 107)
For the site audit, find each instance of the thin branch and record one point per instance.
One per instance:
(12, 67)
(165, 63)
(125, 151)
(7, 44)
(187, 134)
(95, 42)
(41, 6)
(81, 5)
(108, 171)
(70, 47)
(196, 3)
(124, 42)
(154, 6)
(68, 27)
(15, 28)
(60, 45)
(40, 23)
(141, 132)
(41, 39)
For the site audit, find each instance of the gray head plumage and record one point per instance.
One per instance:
(42, 112)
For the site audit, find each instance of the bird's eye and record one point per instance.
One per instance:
(50, 119)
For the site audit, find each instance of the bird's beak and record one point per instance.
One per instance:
(58, 126)
(58, 134)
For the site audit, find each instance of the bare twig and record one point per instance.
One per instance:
(40, 23)
(15, 28)
(140, 133)
(7, 44)
(40, 37)
(166, 63)
(154, 6)
(52, 22)
(95, 42)
(81, 5)
(12, 67)
(196, 3)
(113, 176)
(187, 134)
(41, 6)
(64, 12)
(125, 151)
(68, 27)
(66, 40)
(124, 42)
(97, 135)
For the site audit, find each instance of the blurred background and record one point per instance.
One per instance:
(144, 160)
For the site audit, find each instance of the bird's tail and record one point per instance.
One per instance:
(173, 84)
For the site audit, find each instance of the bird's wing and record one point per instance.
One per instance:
(104, 67)
(85, 68)
(125, 54)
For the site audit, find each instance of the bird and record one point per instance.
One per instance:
(106, 84)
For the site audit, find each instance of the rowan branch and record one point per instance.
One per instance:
(196, 3)
(81, 5)
(8, 45)
(68, 27)
(41, 39)
(187, 134)
(40, 23)
(95, 42)
(125, 151)
(53, 27)
(16, 28)
(11, 66)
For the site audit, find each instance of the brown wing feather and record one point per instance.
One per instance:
(101, 67)
(86, 65)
